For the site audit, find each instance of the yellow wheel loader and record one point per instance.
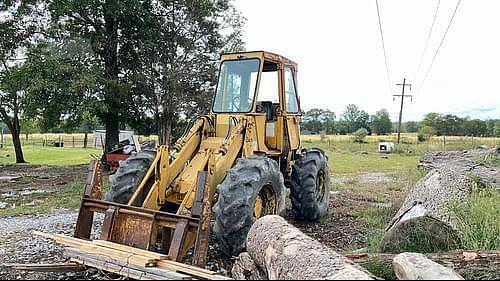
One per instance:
(231, 166)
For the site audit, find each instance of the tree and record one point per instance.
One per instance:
(181, 54)
(381, 123)
(16, 28)
(355, 118)
(360, 135)
(411, 126)
(317, 120)
(425, 133)
(474, 127)
(114, 32)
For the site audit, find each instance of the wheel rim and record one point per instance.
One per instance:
(265, 203)
(320, 186)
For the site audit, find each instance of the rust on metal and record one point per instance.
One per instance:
(178, 240)
(202, 237)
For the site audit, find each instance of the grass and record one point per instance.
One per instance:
(478, 220)
(67, 197)
(376, 220)
(37, 155)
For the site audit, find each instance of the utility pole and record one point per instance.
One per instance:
(403, 96)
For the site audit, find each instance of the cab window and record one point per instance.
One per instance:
(292, 104)
(236, 86)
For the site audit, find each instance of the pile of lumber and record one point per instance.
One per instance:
(128, 261)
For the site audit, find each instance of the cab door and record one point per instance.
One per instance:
(292, 108)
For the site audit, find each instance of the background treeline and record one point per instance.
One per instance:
(324, 121)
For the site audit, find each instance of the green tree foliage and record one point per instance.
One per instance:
(319, 120)
(355, 118)
(181, 56)
(425, 133)
(381, 123)
(360, 135)
(18, 23)
(411, 126)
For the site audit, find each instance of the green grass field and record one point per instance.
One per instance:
(37, 155)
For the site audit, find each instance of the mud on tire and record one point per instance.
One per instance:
(251, 179)
(310, 185)
(129, 175)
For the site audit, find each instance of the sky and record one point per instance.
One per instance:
(337, 45)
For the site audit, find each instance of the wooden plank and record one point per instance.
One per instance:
(191, 270)
(52, 267)
(129, 249)
(124, 269)
(117, 254)
(101, 252)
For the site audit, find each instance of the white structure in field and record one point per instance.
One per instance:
(100, 137)
(385, 147)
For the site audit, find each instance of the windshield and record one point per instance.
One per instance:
(236, 86)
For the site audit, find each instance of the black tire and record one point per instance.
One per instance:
(251, 178)
(310, 185)
(129, 175)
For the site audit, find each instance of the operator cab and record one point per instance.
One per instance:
(260, 84)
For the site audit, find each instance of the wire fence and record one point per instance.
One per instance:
(62, 140)
(408, 142)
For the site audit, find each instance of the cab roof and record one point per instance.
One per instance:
(260, 54)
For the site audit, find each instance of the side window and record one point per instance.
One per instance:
(269, 90)
(292, 104)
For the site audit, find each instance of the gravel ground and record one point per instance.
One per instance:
(19, 245)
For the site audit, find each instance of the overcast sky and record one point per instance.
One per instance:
(338, 48)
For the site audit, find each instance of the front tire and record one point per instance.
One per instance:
(310, 185)
(129, 175)
(253, 188)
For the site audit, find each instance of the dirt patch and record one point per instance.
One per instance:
(36, 177)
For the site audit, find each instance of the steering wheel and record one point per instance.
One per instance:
(236, 106)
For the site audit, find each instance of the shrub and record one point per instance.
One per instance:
(360, 135)
(425, 133)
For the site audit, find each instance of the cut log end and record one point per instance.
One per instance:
(423, 234)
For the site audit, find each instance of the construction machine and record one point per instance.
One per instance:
(230, 167)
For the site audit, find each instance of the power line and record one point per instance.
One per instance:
(428, 38)
(383, 45)
(439, 47)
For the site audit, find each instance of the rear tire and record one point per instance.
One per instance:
(253, 188)
(310, 185)
(129, 175)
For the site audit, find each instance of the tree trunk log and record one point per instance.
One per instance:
(469, 264)
(424, 224)
(467, 162)
(244, 268)
(413, 266)
(287, 253)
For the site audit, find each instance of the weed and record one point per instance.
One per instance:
(380, 269)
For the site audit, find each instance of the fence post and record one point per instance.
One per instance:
(1, 138)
